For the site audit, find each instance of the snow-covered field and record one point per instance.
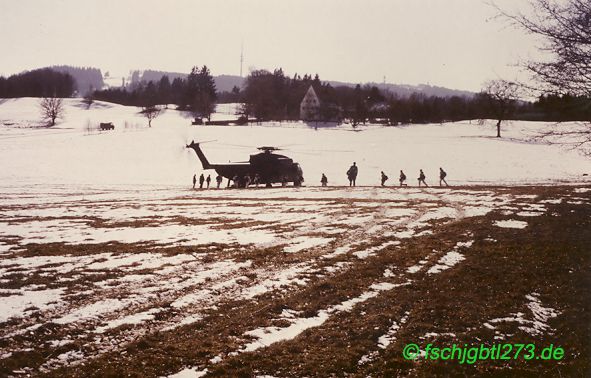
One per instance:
(133, 154)
(103, 243)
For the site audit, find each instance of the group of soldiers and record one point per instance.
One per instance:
(354, 170)
(207, 180)
(351, 176)
(420, 179)
(246, 181)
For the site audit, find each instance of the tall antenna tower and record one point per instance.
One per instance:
(241, 57)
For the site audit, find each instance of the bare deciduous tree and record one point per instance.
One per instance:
(52, 108)
(502, 97)
(565, 28)
(88, 100)
(150, 112)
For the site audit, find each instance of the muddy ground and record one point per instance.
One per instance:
(292, 282)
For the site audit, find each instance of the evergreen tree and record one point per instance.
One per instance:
(164, 91)
(200, 92)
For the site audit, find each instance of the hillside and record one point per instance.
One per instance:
(223, 83)
(227, 82)
(87, 78)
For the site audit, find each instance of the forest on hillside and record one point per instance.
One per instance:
(275, 96)
(43, 82)
(272, 95)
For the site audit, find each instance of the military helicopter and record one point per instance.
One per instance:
(271, 168)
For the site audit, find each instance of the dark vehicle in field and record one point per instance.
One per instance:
(107, 126)
(271, 168)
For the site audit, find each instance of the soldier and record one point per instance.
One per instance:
(208, 180)
(402, 178)
(218, 180)
(384, 178)
(324, 180)
(201, 181)
(257, 180)
(442, 175)
(235, 180)
(352, 174)
(422, 178)
(194, 180)
(246, 181)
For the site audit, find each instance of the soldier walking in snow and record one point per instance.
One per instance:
(384, 178)
(257, 180)
(324, 180)
(422, 178)
(352, 174)
(208, 180)
(246, 181)
(402, 178)
(218, 179)
(442, 175)
(201, 181)
(194, 180)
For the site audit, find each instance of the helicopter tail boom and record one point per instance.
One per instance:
(200, 155)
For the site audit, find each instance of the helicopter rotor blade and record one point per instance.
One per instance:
(306, 153)
(319, 151)
(269, 148)
(236, 145)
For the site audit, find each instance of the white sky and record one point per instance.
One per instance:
(451, 43)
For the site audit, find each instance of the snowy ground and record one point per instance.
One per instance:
(70, 154)
(107, 257)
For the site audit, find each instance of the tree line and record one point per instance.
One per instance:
(274, 96)
(43, 82)
(196, 93)
(87, 79)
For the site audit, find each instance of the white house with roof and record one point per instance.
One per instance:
(310, 106)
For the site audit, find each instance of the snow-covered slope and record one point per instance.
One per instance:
(135, 155)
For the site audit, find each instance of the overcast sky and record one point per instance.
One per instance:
(451, 43)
